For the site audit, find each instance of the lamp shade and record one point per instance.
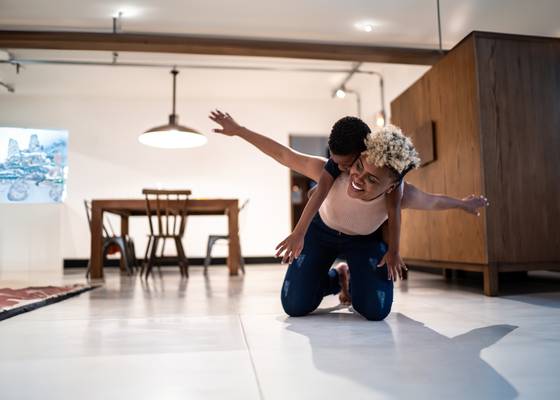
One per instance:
(172, 136)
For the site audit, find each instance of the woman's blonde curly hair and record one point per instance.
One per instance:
(388, 146)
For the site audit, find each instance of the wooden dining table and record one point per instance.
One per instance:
(126, 208)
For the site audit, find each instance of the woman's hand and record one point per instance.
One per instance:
(395, 265)
(228, 124)
(472, 204)
(291, 247)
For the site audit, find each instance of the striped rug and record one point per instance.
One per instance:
(17, 301)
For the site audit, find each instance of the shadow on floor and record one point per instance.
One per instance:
(402, 358)
(540, 288)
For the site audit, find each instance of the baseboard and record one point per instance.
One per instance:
(114, 263)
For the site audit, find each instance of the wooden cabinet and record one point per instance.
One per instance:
(494, 104)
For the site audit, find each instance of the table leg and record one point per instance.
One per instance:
(124, 233)
(96, 256)
(234, 247)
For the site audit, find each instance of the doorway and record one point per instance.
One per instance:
(300, 185)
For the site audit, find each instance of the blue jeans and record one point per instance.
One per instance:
(309, 277)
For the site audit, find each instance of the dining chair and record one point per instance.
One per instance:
(167, 218)
(213, 239)
(111, 240)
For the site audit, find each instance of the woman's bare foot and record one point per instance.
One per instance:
(344, 280)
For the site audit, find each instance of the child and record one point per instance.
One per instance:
(346, 143)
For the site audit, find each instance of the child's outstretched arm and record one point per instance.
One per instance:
(392, 257)
(416, 199)
(293, 244)
(306, 165)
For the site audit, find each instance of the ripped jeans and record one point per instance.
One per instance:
(309, 277)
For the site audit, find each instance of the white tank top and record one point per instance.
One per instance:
(348, 215)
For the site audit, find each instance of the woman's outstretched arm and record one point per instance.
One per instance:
(416, 199)
(305, 164)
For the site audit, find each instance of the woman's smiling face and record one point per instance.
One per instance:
(368, 182)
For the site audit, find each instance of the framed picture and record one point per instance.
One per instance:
(33, 165)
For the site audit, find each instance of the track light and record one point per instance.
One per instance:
(380, 119)
(340, 93)
(8, 87)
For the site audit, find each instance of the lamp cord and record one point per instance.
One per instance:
(174, 72)
(439, 27)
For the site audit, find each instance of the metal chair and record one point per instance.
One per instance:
(125, 243)
(212, 239)
(169, 208)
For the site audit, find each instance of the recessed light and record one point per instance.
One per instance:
(365, 26)
(127, 12)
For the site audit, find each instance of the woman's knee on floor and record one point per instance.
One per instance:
(372, 313)
(295, 309)
(297, 303)
(375, 309)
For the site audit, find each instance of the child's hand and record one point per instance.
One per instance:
(228, 124)
(291, 247)
(472, 204)
(395, 265)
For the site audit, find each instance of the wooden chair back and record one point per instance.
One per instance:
(169, 209)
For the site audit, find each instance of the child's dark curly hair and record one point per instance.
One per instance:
(348, 135)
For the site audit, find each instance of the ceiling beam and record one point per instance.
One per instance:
(215, 46)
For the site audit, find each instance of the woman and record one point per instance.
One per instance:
(349, 220)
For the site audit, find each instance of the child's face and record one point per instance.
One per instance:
(344, 162)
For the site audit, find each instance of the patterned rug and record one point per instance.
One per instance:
(17, 301)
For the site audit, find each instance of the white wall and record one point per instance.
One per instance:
(104, 111)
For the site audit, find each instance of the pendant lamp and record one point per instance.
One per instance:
(172, 135)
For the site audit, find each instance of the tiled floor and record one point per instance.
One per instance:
(228, 338)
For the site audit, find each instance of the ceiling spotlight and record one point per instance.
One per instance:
(368, 28)
(340, 93)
